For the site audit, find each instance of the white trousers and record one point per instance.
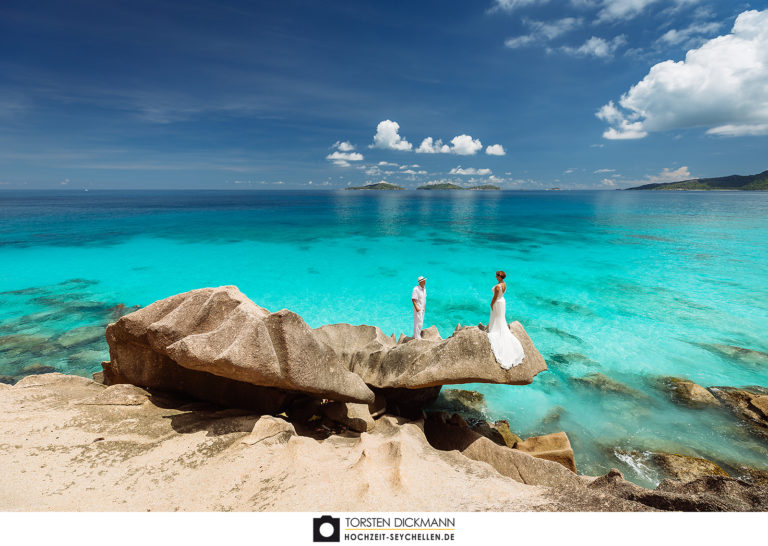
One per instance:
(418, 322)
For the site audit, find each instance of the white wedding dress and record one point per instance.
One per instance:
(506, 347)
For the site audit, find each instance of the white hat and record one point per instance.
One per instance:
(421, 279)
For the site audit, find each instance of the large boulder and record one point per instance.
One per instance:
(216, 344)
(216, 339)
(553, 447)
(465, 357)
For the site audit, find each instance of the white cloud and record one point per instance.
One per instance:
(689, 34)
(460, 145)
(429, 146)
(345, 146)
(569, 171)
(387, 137)
(596, 47)
(600, 171)
(520, 41)
(495, 149)
(342, 159)
(466, 145)
(613, 10)
(511, 5)
(387, 164)
(668, 175)
(544, 31)
(720, 85)
(470, 171)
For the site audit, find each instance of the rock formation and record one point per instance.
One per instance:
(80, 445)
(748, 403)
(217, 345)
(688, 392)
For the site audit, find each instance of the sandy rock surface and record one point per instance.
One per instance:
(60, 451)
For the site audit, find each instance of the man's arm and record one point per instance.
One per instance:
(415, 305)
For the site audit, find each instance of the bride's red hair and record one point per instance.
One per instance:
(501, 274)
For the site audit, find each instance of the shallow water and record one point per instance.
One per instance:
(633, 285)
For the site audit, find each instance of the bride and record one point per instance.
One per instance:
(506, 347)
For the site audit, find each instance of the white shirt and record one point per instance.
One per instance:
(420, 295)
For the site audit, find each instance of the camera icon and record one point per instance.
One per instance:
(326, 529)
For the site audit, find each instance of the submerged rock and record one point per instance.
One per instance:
(608, 385)
(573, 358)
(747, 403)
(470, 404)
(687, 392)
(85, 335)
(673, 465)
(737, 354)
(36, 369)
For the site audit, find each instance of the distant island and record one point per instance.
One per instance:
(380, 186)
(734, 182)
(449, 186)
(442, 186)
(485, 187)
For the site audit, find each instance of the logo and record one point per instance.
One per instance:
(325, 529)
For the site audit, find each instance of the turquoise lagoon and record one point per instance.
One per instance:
(633, 285)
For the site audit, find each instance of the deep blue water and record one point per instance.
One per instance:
(633, 285)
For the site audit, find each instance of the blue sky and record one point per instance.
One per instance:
(525, 94)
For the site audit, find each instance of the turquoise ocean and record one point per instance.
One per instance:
(632, 285)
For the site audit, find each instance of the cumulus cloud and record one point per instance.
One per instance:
(430, 146)
(466, 145)
(600, 171)
(720, 85)
(345, 146)
(624, 128)
(342, 159)
(387, 137)
(495, 149)
(596, 47)
(460, 145)
(470, 171)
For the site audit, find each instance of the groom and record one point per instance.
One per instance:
(419, 300)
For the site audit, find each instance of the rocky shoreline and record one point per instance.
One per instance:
(209, 402)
